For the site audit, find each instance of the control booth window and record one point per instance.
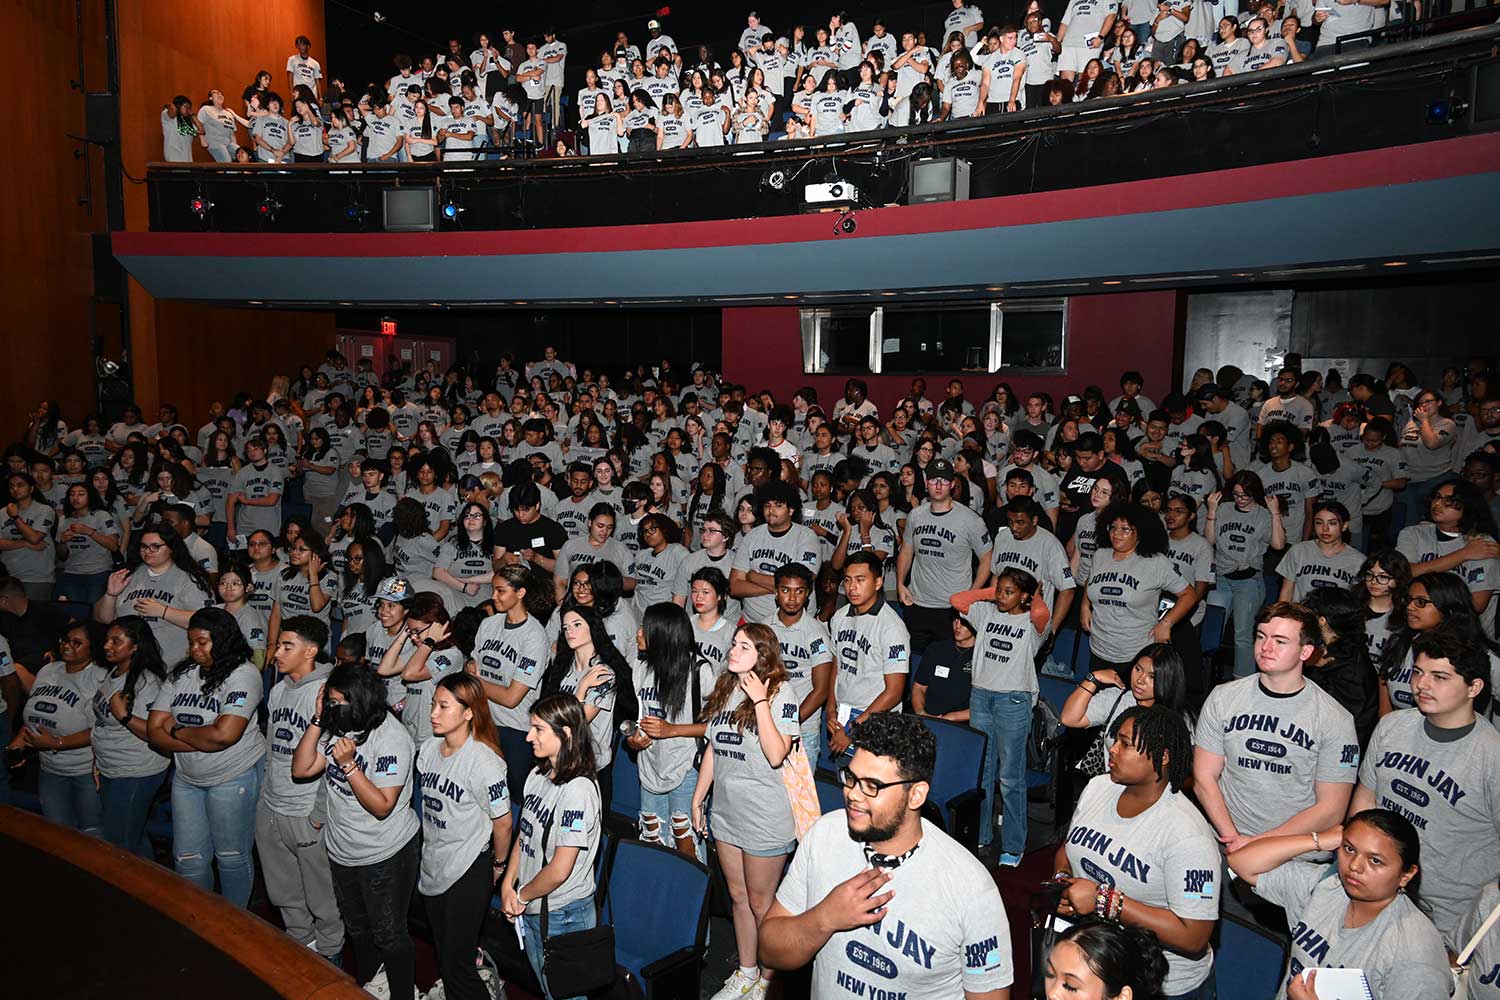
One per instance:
(1025, 335)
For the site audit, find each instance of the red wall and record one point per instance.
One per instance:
(1106, 335)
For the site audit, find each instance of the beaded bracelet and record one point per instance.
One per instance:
(1102, 901)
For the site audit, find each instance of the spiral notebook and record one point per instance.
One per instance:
(1342, 984)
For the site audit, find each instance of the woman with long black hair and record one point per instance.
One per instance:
(1381, 591)
(318, 461)
(128, 770)
(1367, 916)
(640, 127)
(365, 758)
(466, 559)
(1102, 960)
(421, 134)
(670, 680)
(510, 657)
(202, 717)
(551, 862)
(589, 666)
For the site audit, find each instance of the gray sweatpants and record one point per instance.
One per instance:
(295, 865)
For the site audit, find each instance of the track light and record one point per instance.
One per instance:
(200, 206)
(355, 211)
(774, 180)
(268, 207)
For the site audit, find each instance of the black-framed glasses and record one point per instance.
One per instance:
(1419, 602)
(152, 546)
(868, 786)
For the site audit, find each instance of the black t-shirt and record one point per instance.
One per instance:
(1074, 493)
(515, 536)
(946, 670)
(33, 636)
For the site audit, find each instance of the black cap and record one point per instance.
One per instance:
(941, 468)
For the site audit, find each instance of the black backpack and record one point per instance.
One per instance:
(1046, 737)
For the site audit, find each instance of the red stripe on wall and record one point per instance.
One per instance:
(1348, 171)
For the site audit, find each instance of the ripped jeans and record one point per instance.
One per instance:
(217, 823)
(676, 806)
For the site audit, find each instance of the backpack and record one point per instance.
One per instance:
(1046, 736)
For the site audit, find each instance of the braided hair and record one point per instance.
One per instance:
(1161, 735)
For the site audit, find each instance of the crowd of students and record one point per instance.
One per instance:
(352, 622)
(810, 80)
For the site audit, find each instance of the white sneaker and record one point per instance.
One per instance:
(762, 986)
(437, 992)
(740, 987)
(379, 987)
(495, 987)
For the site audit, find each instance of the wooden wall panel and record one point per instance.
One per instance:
(190, 355)
(47, 278)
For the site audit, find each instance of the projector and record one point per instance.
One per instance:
(832, 193)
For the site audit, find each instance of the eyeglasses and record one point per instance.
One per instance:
(1121, 529)
(1419, 602)
(582, 585)
(1381, 578)
(1447, 500)
(868, 786)
(152, 546)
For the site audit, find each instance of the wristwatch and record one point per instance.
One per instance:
(429, 644)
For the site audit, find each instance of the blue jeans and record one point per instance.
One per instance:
(127, 804)
(1005, 717)
(70, 800)
(217, 824)
(578, 915)
(1243, 598)
(665, 808)
(84, 588)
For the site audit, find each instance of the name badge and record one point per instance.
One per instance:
(539, 543)
(940, 671)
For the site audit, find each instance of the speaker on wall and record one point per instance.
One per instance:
(101, 114)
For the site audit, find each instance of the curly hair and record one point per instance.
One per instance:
(1162, 736)
(902, 738)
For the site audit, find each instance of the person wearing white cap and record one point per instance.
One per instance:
(659, 42)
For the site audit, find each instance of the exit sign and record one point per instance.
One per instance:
(387, 328)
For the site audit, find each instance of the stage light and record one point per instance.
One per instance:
(774, 180)
(200, 206)
(1445, 111)
(355, 211)
(377, 17)
(452, 210)
(268, 207)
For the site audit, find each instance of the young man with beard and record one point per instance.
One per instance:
(877, 882)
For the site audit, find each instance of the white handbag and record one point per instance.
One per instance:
(1461, 967)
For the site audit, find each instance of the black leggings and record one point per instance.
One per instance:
(457, 916)
(374, 901)
(642, 140)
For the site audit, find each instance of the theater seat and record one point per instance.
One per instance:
(657, 901)
(1248, 961)
(624, 810)
(830, 793)
(1213, 629)
(956, 778)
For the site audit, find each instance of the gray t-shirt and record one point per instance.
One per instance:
(27, 564)
(355, 837)
(1451, 793)
(61, 704)
(713, 642)
(602, 696)
(1241, 538)
(805, 644)
(944, 932)
(473, 564)
(1422, 542)
(1275, 749)
(577, 552)
(1294, 486)
(1484, 964)
(291, 706)
(174, 588)
(377, 643)
(1005, 648)
(462, 796)
(416, 705)
(943, 547)
(866, 647)
(573, 811)
(1308, 568)
(763, 551)
(414, 559)
(654, 574)
(1124, 595)
(1400, 951)
(257, 484)
(1422, 462)
(1194, 558)
(698, 559)
(751, 809)
(239, 695)
(1168, 856)
(666, 762)
(295, 594)
(1041, 555)
(84, 554)
(510, 654)
(118, 752)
